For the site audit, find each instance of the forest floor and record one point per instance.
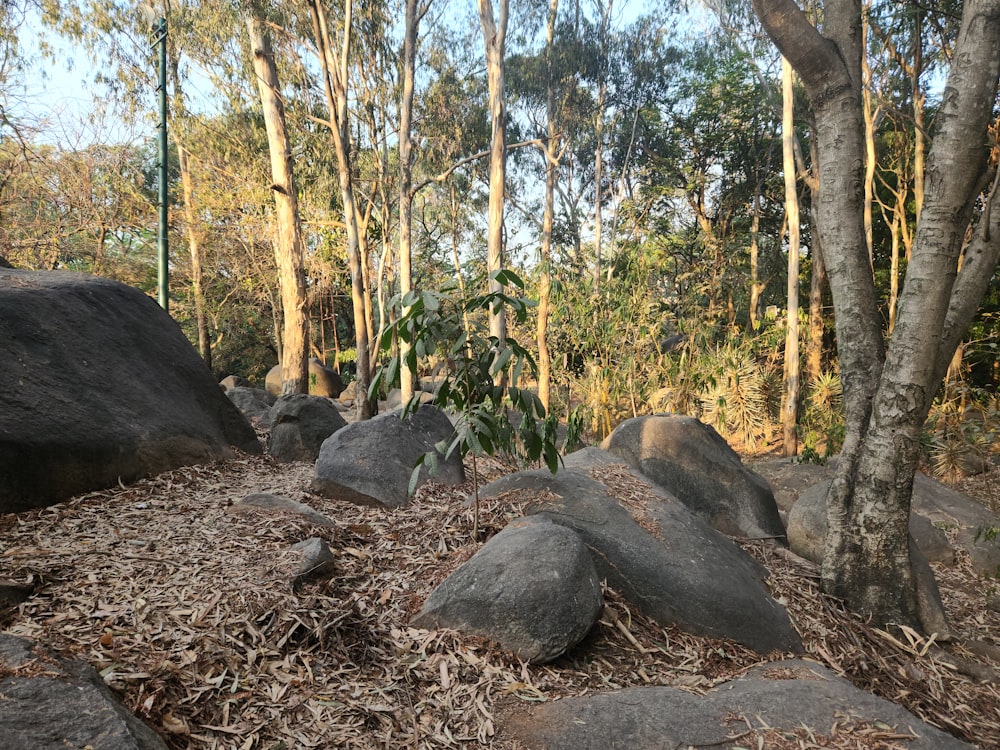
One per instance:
(188, 612)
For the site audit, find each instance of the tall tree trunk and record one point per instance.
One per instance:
(602, 90)
(495, 38)
(545, 277)
(755, 286)
(406, 184)
(917, 94)
(288, 248)
(817, 323)
(190, 219)
(194, 247)
(790, 397)
(870, 158)
(887, 396)
(817, 280)
(898, 218)
(335, 86)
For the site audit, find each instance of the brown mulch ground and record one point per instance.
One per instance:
(188, 611)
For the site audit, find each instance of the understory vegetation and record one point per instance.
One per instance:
(645, 205)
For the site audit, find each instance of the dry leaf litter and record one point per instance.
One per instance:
(189, 613)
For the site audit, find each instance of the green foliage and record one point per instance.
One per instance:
(961, 432)
(483, 391)
(822, 421)
(734, 395)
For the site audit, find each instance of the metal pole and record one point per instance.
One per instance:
(163, 261)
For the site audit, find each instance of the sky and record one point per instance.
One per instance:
(57, 93)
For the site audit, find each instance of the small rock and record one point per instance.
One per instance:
(316, 560)
(264, 501)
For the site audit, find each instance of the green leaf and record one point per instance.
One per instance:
(501, 360)
(415, 476)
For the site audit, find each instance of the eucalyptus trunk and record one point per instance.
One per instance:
(194, 249)
(335, 71)
(406, 380)
(549, 153)
(288, 247)
(790, 396)
(495, 38)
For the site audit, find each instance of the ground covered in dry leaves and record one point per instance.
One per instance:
(188, 612)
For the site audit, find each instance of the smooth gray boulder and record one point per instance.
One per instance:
(786, 697)
(254, 403)
(370, 462)
(49, 703)
(789, 478)
(691, 461)
(299, 425)
(983, 545)
(944, 507)
(99, 386)
(668, 562)
(394, 398)
(532, 588)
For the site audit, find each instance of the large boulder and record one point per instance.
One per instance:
(660, 556)
(299, 425)
(322, 380)
(691, 461)
(48, 703)
(789, 478)
(371, 462)
(791, 702)
(532, 588)
(99, 385)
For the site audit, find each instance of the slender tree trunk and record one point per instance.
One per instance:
(898, 215)
(406, 184)
(790, 397)
(194, 247)
(817, 324)
(817, 280)
(602, 90)
(756, 288)
(495, 38)
(549, 153)
(917, 94)
(870, 158)
(288, 248)
(190, 219)
(335, 86)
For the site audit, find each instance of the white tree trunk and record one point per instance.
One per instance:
(790, 397)
(288, 248)
(495, 38)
